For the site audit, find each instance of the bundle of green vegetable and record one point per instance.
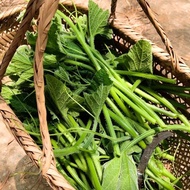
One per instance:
(103, 107)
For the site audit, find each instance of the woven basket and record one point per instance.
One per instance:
(12, 34)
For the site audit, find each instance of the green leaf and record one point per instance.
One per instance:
(120, 174)
(8, 93)
(72, 47)
(100, 77)
(21, 61)
(21, 70)
(22, 105)
(25, 76)
(20, 101)
(31, 39)
(131, 150)
(101, 85)
(63, 98)
(32, 124)
(95, 100)
(139, 58)
(50, 60)
(62, 74)
(55, 37)
(98, 20)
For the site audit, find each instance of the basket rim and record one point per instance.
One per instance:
(10, 11)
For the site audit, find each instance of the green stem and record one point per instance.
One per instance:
(79, 64)
(93, 174)
(71, 171)
(136, 84)
(78, 57)
(120, 84)
(79, 159)
(149, 186)
(142, 93)
(133, 104)
(177, 127)
(83, 136)
(162, 111)
(88, 142)
(33, 133)
(171, 87)
(120, 103)
(84, 179)
(74, 174)
(146, 76)
(61, 127)
(167, 186)
(164, 171)
(136, 140)
(142, 121)
(65, 151)
(80, 38)
(110, 128)
(63, 173)
(158, 169)
(142, 108)
(126, 126)
(184, 120)
(97, 164)
(160, 98)
(164, 155)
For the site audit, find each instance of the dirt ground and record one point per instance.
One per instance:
(16, 170)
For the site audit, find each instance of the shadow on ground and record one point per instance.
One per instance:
(27, 176)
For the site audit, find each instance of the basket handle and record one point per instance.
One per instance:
(46, 13)
(43, 26)
(113, 10)
(175, 59)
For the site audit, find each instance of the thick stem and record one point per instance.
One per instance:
(167, 186)
(111, 131)
(93, 173)
(126, 126)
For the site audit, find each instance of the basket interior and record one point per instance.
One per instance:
(178, 144)
(8, 28)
